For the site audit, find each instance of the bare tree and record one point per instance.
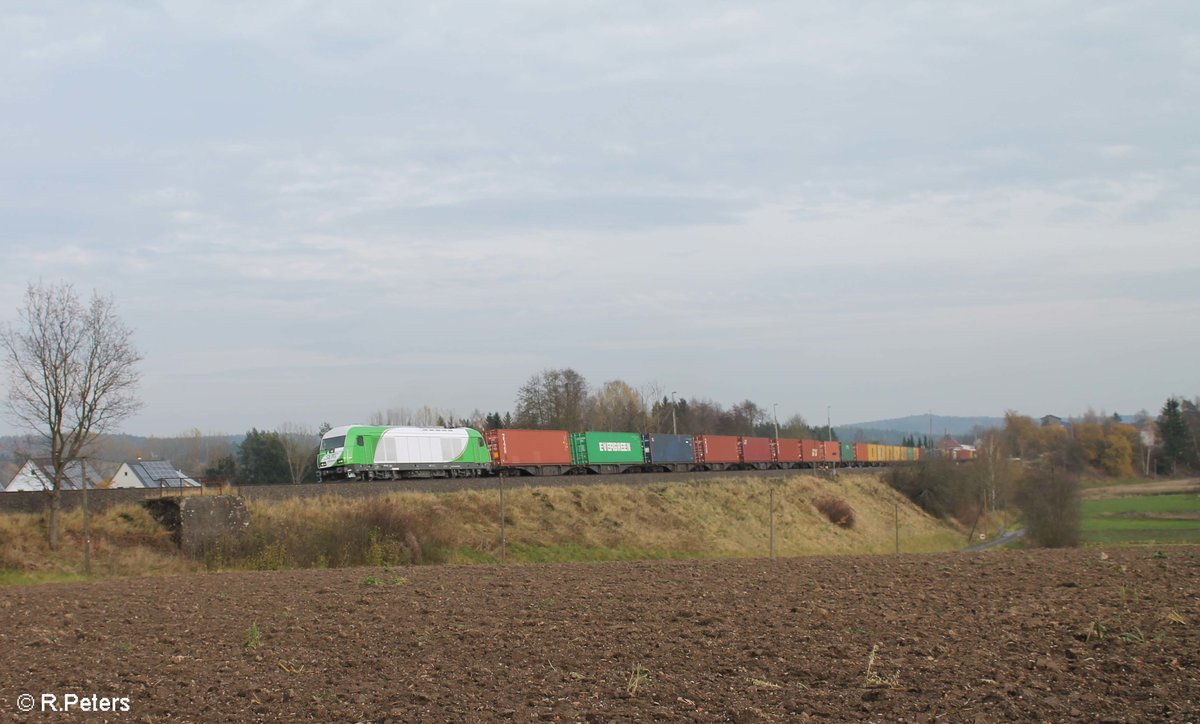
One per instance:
(300, 445)
(72, 375)
(553, 400)
(617, 406)
(703, 416)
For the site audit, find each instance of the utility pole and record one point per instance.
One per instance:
(775, 409)
(674, 429)
(828, 437)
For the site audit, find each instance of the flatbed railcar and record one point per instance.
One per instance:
(371, 452)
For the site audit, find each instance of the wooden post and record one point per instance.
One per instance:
(87, 530)
(502, 545)
(896, 507)
(772, 488)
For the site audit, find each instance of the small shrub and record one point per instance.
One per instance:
(253, 636)
(836, 510)
(273, 557)
(638, 678)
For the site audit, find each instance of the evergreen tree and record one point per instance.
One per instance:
(262, 459)
(1177, 443)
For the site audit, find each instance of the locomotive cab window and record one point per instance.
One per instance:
(331, 443)
(358, 440)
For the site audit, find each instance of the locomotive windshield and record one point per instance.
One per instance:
(332, 443)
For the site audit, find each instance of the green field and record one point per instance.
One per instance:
(1142, 519)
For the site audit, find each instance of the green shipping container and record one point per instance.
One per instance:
(847, 452)
(606, 448)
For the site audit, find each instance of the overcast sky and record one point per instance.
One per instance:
(311, 211)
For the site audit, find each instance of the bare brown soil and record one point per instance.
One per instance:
(1156, 515)
(1002, 636)
(1157, 487)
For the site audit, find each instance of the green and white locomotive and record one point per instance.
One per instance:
(362, 452)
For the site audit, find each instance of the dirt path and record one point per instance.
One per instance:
(1160, 487)
(1000, 636)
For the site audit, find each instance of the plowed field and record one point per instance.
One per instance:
(1044, 635)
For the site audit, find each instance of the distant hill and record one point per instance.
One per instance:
(894, 430)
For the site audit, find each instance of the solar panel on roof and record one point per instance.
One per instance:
(160, 469)
(161, 473)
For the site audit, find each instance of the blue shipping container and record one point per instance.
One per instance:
(668, 449)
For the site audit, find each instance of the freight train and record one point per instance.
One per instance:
(363, 452)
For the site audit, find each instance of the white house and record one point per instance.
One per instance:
(151, 474)
(37, 473)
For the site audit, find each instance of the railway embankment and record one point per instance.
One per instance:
(722, 517)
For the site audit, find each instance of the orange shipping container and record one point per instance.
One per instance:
(755, 449)
(529, 447)
(720, 449)
(787, 450)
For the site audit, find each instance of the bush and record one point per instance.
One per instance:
(941, 487)
(1049, 503)
(836, 510)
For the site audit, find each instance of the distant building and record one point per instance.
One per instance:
(1051, 421)
(37, 474)
(950, 448)
(948, 443)
(151, 474)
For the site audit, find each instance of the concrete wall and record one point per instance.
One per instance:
(195, 522)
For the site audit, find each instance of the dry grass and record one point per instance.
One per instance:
(125, 541)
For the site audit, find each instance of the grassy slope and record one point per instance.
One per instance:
(725, 518)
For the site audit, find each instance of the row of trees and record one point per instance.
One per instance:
(1108, 445)
(562, 399)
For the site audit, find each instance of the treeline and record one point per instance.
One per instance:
(561, 399)
(1107, 444)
